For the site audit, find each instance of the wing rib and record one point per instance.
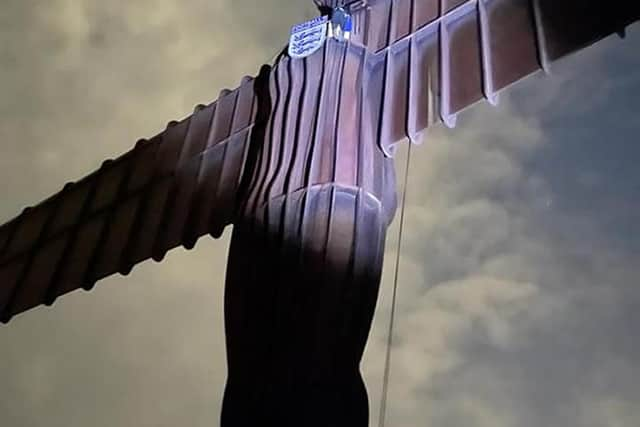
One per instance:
(471, 50)
(166, 192)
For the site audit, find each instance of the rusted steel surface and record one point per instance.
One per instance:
(320, 131)
(150, 200)
(307, 246)
(302, 284)
(438, 57)
(300, 161)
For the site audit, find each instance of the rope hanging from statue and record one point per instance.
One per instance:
(387, 363)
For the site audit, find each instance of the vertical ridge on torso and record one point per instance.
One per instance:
(320, 130)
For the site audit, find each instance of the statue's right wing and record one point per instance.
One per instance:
(428, 60)
(167, 191)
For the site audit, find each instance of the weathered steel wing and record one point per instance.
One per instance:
(166, 192)
(430, 59)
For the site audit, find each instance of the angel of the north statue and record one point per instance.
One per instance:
(300, 160)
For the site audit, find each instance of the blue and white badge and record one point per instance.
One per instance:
(308, 37)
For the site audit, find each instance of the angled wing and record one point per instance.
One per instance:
(167, 191)
(430, 59)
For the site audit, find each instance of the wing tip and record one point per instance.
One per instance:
(141, 143)
(6, 318)
(126, 269)
(159, 256)
(49, 301)
(190, 242)
(106, 163)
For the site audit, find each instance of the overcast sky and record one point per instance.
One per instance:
(518, 297)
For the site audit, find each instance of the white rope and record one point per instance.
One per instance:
(387, 363)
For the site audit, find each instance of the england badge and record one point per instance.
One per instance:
(308, 37)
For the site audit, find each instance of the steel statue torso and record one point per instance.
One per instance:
(306, 253)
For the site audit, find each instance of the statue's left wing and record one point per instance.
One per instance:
(167, 191)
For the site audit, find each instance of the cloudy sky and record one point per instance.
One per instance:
(518, 304)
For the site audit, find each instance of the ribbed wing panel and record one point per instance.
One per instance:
(438, 57)
(167, 191)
